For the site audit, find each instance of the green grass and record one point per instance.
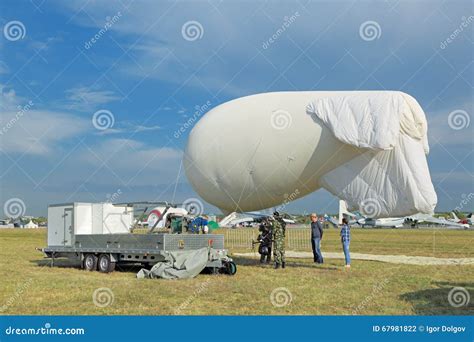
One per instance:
(29, 287)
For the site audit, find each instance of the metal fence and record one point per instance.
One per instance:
(296, 238)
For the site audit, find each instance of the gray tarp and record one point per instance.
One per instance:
(179, 265)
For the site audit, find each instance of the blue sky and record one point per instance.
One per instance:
(152, 74)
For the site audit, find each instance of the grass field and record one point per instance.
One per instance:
(28, 286)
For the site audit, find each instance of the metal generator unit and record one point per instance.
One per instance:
(101, 235)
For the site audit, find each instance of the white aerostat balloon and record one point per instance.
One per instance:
(263, 150)
(257, 151)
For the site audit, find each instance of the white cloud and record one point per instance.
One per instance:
(140, 128)
(110, 131)
(439, 130)
(38, 131)
(45, 44)
(162, 53)
(134, 161)
(138, 153)
(88, 99)
(9, 99)
(30, 130)
(128, 127)
(4, 68)
(237, 32)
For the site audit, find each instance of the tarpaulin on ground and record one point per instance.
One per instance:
(391, 178)
(179, 265)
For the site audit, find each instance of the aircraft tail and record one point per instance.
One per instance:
(343, 211)
(229, 218)
(453, 214)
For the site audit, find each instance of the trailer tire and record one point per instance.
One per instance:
(230, 268)
(105, 265)
(90, 262)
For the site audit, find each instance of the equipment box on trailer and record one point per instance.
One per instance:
(100, 235)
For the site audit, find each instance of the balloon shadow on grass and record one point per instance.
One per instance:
(448, 298)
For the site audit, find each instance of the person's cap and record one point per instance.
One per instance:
(276, 213)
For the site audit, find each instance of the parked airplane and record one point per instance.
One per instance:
(357, 218)
(394, 222)
(6, 224)
(420, 218)
(457, 219)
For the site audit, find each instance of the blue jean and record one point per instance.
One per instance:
(347, 255)
(317, 255)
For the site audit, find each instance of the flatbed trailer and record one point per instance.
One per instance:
(70, 228)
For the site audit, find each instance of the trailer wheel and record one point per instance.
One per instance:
(230, 268)
(105, 264)
(90, 262)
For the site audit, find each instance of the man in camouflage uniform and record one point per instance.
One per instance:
(278, 226)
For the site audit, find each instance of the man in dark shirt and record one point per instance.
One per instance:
(265, 240)
(316, 237)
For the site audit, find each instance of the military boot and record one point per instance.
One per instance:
(282, 265)
(277, 265)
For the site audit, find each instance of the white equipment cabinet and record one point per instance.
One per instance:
(65, 221)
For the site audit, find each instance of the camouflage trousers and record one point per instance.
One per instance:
(279, 251)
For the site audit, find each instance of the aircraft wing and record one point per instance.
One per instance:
(257, 215)
(431, 219)
(242, 220)
(332, 220)
(237, 218)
